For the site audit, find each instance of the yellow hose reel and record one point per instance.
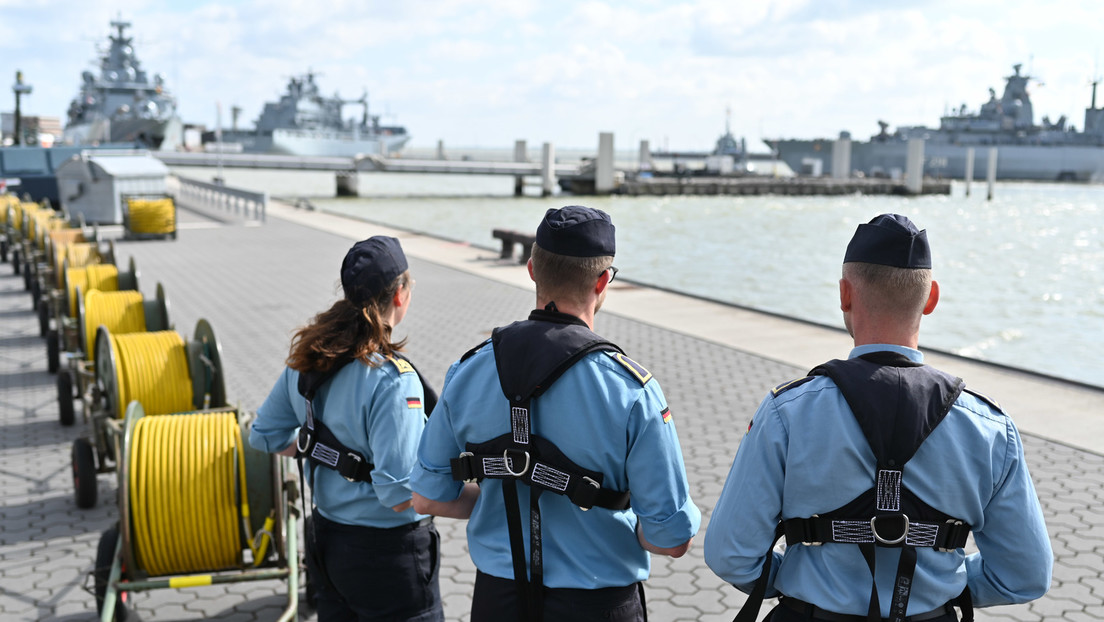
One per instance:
(197, 506)
(161, 371)
(149, 217)
(120, 312)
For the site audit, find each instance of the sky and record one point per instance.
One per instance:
(484, 73)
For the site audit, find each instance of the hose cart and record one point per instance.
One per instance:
(50, 273)
(120, 312)
(160, 370)
(76, 284)
(197, 506)
(149, 217)
(9, 203)
(37, 225)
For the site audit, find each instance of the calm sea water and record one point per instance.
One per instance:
(1021, 277)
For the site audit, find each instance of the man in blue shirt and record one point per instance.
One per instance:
(558, 426)
(876, 468)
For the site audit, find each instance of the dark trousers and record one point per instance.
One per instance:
(375, 575)
(793, 610)
(495, 600)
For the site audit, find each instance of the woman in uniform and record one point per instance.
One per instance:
(351, 407)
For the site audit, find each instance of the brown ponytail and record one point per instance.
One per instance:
(347, 330)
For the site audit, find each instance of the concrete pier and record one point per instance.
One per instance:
(255, 284)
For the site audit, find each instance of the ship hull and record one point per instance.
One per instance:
(322, 143)
(153, 133)
(942, 160)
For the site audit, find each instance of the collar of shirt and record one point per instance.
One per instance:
(913, 355)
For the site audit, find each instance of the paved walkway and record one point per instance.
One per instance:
(715, 362)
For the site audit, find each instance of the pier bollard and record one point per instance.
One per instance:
(603, 172)
(991, 174)
(548, 169)
(841, 158)
(969, 168)
(914, 166)
(519, 156)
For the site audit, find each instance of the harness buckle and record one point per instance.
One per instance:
(879, 538)
(587, 480)
(468, 454)
(355, 457)
(506, 463)
(953, 523)
(807, 530)
(300, 446)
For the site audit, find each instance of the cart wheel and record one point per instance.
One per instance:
(66, 412)
(84, 473)
(36, 293)
(27, 277)
(15, 260)
(105, 558)
(53, 357)
(43, 317)
(4, 250)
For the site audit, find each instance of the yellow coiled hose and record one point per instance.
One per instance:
(121, 312)
(104, 277)
(183, 493)
(153, 369)
(155, 216)
(58, 248)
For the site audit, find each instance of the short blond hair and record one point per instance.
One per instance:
(566, 278)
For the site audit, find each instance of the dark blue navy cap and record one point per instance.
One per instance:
(890, 240)
(577, 231)
(370, 266)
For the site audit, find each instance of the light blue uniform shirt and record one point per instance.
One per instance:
(601, 418)
(805, 454)
(376, 411)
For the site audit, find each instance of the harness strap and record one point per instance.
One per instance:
(750, 610)
(319, 445)
(944, 536)
(513, 525)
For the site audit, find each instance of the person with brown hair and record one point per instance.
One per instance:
(351, 406)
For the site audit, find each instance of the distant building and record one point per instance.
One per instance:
(39, 131)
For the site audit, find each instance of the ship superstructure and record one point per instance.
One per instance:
(305, 122)
(1049, 150)
(122, 104)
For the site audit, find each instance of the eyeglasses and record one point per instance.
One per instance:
(613, 273)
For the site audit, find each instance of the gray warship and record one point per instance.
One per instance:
(121, 104)
(306, 123)
(1048, 151)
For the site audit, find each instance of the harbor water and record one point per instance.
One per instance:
(1021, 277)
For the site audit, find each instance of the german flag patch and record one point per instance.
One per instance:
(636, 369)
(413, 402)
(666, 413)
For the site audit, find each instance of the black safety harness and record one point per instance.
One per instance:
(530, 356)
(897, 403)
(318, 445)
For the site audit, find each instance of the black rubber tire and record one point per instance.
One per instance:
(53, 353)
(26, 276)
(66, 410)
(36, 293)
(84, 473)
(105, 558)
(15, 261)
(4, 250)
(43, 317)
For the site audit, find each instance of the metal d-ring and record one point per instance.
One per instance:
(904, 533)
(506, 463)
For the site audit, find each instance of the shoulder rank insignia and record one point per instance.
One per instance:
(636, 369)
(400, 364)
(786, 386)
(985, 398)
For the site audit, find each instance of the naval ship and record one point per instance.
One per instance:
(306, 123)
(121, 104)
(1048, 151)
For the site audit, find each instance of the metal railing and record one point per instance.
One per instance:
(244, 203)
